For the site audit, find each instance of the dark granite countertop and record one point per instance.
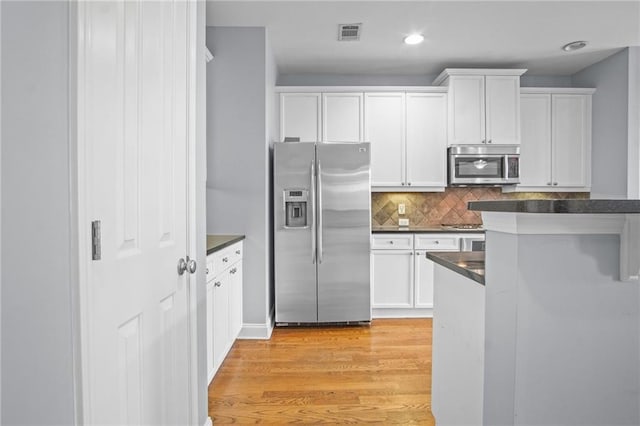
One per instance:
(218, 242)
(558, 206)
(421, 229)
(467, 263)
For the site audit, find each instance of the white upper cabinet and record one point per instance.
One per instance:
(571, 136)
(502, 109)
(555, 153)
(484, 105)
(384, 128)
(342, 117)
(426, 139)
(300, 116)
(535, 146)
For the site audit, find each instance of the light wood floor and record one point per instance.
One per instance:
(359, 374)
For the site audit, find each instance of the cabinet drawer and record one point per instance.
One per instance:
(209, 270)
(438, 242)
(392, 242)
(224, 258)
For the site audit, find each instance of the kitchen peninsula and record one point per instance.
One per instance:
(553, 337)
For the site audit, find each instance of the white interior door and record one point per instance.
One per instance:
(132, 147)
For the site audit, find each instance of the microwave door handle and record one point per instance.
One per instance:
(506, 166)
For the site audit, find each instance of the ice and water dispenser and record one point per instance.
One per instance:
(295, 208)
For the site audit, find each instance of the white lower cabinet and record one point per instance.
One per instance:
(403, 276)
(224, 304)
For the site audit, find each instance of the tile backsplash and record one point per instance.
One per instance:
(449, 207)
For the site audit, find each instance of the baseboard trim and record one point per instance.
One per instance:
(257, 330)
(402, 313)
(208, 422)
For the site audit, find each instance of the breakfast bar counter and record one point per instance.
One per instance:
(560, 320)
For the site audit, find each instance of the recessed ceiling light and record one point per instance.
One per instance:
(414, 39)
(574, 45)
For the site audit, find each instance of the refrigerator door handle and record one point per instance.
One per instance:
(319, 213)
(313, 212)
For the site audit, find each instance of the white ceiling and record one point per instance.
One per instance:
(514, 34)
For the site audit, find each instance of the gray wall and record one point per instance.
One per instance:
(37, 357)
(610, 123)
(273, 131)
(354, 80)
(401, 80)
(545, 81)
(238, 156)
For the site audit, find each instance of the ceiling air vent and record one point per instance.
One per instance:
(349, 32)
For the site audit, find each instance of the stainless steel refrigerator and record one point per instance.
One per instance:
(322, 229)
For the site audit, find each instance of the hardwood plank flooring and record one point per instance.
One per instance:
(357, 374)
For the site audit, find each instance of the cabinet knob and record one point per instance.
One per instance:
(225, 259)
(417, 254)
(437, 242)
(409, 184)
(484, 141)
(548, 183)
(237, 251)
(555, 183)
(390, 242)
(217, 284)
(233, 271)
(489, 141)
(402, 183)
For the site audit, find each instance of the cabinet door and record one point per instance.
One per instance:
(210, 355)
(571, 140)
(424, 280)
(384, 128)
(235, 301)
(535, 146)
(300, 116)
(466, 110)
(426, 132)
(392, 278)
(220, 318)
(502, 103)
(342, 117)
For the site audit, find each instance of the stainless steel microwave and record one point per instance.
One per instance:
(484, 165)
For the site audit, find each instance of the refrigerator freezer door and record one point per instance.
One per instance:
(344, 217)
(295, 267)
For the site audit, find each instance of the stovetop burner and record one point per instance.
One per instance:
(463, 226)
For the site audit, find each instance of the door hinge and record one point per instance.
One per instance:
(96, 252)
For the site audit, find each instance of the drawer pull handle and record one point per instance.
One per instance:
(207, 270)
(225, 259)
(217, 284)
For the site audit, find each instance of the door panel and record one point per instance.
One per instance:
(295, 268)
(133, 141)
(344, 232)
(342, 117)
(535, 147)
(570, 129)
(384, 128)
(466, 110)
(426, 139)
(502, 109)
(300, 116)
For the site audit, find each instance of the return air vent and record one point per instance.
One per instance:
(349, 32)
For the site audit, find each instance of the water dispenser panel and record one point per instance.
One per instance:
(295, 208)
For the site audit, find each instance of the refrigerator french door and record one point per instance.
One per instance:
(322, 213)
